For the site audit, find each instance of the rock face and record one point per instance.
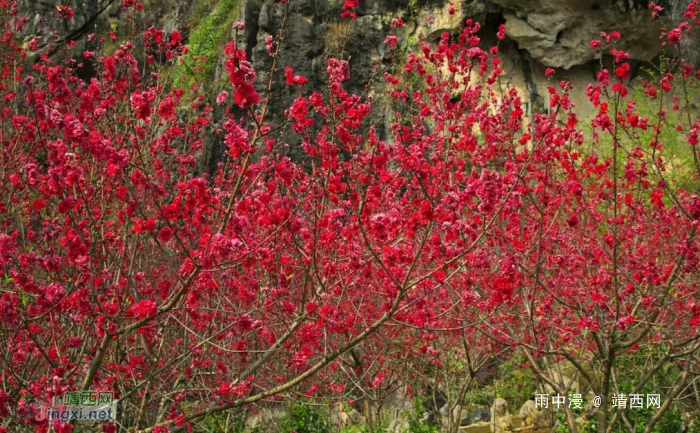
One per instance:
(94, 16)
(481, 427)
(557, 33)
(540, 34)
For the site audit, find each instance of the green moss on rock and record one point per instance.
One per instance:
(206, 40)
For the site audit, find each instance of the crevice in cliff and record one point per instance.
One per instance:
(559, 36)
(77, 33)
(252, 15)
(536, 103)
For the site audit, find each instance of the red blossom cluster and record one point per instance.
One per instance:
(64, 12)
(348, 7)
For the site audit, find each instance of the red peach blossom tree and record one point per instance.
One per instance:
(126, 269)
(602, 268)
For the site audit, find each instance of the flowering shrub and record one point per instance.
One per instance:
(126, 269)
(606, 276)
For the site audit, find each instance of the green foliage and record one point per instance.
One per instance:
(413, 8)
(417, 426)
(416, 422)
(475, 398)
(226, 422)
(386, 19)
(306, 417)
(560, 425)
(206, 41)
(515, 383)
(694, 425)
(591, 426)
(671, 422)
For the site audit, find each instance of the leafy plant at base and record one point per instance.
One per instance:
(417, 419)
(515, 383)
(306, 417)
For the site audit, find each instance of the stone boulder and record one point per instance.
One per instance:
(459, 414)
(500, 418)
(479, 415)
(532, 416)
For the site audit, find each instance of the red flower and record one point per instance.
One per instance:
(245, 323)
(378, 379)
(245, 95)
(165, 234)
(298, 113)
(674, 36)
(610, 36)
(144, 309)
(311, 307)
(440, 276)
(501, 32)
(150, 225)
(397, 22)
(175, 38)
(289, 307)
(694, 207)
(166, 109)
(623, 71)
(292, 79)
(301, 357)
(222, 97)
(64, 12)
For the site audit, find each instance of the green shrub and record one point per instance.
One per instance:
(515, 384)
(306, 417)
(475, 398)
(416, 424)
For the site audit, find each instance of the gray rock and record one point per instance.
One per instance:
(479, 415)
(499, 408)
(532, 416)
(500, 418)
(557, 33)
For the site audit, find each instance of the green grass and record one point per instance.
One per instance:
(207, 40)
(676, 152)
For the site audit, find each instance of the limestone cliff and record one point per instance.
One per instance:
(540, 33)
